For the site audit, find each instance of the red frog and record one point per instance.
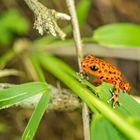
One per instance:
(105, 72)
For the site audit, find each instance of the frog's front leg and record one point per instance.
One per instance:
(84, 75)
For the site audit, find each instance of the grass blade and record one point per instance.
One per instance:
(36, 117)
(18, 93)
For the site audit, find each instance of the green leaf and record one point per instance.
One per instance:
(135, 121)
(36, 117)
(12, 16)
(18, 93)
(118, 35)
(82, 9)
(5, 36)
(102, 129)
(11, 22)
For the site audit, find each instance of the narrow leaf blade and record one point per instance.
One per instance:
(36, 117)
(18, 93)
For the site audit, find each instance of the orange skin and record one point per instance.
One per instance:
(105, 72)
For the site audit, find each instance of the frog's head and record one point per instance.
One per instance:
(90, 64)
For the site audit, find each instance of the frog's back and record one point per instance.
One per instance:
(105, 72)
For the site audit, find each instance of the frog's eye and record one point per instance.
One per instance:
(94, 67)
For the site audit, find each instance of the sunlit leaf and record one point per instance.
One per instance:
(102, 129)
(118, 35)
(18, 93)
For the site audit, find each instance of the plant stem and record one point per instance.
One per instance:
(76, 32)
(77, 39)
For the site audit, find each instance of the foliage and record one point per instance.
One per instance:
(100, 125)
(83, 5)
(118, 35)
(11, 22)
(18, 93)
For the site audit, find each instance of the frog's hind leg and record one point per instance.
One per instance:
(115, 95)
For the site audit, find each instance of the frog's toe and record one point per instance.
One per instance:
(115, 100)
(109, 100)
(111, 91)
(83, 75)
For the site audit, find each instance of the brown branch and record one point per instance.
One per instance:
(46, 19)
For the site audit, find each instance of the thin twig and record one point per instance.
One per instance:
(77, 39)
(76, 32)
